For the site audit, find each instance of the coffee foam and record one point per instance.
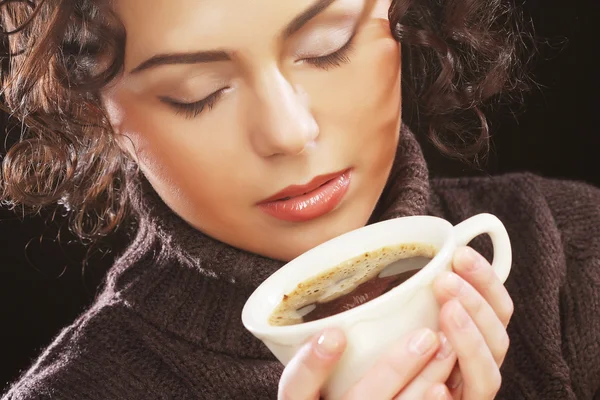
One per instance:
(343, 279)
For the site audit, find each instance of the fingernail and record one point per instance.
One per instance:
(459, 316)
(439, 393)
(470, 258)
(445, 348)
(422, 342)
(453, 283)
(329, 343)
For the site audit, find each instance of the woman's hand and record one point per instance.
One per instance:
(409, 370)
(476, 309)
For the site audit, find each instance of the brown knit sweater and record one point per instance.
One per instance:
(167, 325)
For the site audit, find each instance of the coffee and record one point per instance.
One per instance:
(351, 283)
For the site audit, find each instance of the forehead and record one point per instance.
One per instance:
(191, 25)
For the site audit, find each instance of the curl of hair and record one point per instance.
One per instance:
(65, 152)
(59, 54)
(459, 56)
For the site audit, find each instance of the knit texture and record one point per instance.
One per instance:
(167, 324)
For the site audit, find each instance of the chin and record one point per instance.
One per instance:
(340, 221)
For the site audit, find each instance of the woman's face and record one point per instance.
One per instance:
(234, 106)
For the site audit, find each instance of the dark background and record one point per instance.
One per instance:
(43, 288)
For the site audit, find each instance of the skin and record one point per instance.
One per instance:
(281, 120)
(471, 294)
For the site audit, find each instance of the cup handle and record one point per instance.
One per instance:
(490, 224)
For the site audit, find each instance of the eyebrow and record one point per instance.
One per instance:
(311, 12)
(218, 55)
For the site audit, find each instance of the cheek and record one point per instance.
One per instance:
(162, 153)
(377, 95)
(366, 92)
(380, 65)
(146, 148)
(179, 162)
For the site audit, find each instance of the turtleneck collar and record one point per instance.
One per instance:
(195, 286)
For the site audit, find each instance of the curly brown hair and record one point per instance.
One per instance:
(458, 56)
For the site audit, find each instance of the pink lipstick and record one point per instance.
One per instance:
(297, 203)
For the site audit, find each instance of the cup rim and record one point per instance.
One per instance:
(426, 273)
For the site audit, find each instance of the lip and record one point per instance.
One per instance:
(297, 203)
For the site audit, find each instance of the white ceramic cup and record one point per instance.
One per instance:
(375, 326)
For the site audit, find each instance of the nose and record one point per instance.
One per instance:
(282, 122)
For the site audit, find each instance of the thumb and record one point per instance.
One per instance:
(306, 373)
(438, 392)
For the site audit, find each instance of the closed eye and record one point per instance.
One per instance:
(192, 110)
(334, 59)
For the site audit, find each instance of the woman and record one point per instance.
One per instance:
(238, 135)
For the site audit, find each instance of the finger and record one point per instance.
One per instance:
(480, 374)
(476, 270)
(438, 392)
(397, 368)
(306, 373)
(436, 372)
(456, 392)
(455, 379)
(454, 383)
(449, 285)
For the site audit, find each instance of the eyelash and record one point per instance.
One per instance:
(192, 110)
(334, 59)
